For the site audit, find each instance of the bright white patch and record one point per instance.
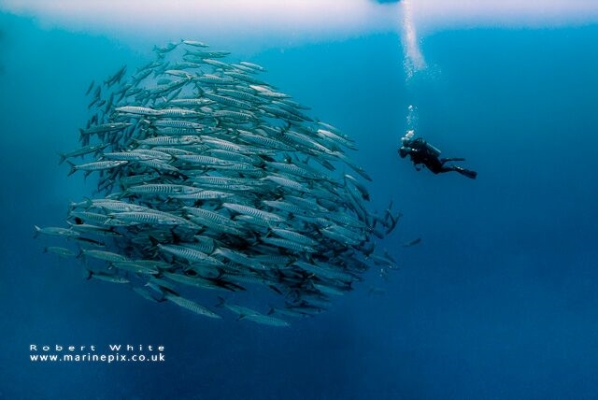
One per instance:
(287, 21)
(435, 15)
(275, 22)
(238, 23)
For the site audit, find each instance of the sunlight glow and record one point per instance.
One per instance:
(414, 59)
(292, 22)
(271, 20)
(435, 15)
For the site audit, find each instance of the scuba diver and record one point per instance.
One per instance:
(422, 152)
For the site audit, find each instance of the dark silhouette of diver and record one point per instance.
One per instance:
(421, 152)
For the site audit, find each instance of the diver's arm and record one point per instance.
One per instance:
(415, 159)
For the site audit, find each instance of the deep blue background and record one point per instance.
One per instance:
(499, 301)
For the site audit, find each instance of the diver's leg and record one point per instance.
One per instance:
(444, 160)
(435, 165)
(445, 169)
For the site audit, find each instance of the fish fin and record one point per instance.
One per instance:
(389, 256)
(169, 291)
(274, 288)
(221, 302)
(62, 158)
(154, 241)
(73, 167)
(233, 287)
(175, 237)
(38, 230)
(378, 234)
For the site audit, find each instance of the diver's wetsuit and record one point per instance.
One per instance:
(422, 153)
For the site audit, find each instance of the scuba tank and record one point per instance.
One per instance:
(408, 140)
(432, 150)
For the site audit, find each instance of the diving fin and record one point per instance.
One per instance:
(466, 172)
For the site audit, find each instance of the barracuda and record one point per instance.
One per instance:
(161, 189)
(151, 218)
(104, 255)
(95, 166)
(190, 305)
(229, 101)
(94, 148)
(254, 212)
(189, 254)
(146, 111)
(171, 141)
(209, 178)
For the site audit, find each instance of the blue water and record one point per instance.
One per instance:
(497, 302)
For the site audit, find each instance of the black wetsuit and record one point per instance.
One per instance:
(422, 153)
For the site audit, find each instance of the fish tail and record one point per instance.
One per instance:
(155, 242)
(176, 238)
(73, 168)
(275, 289)
(88, 203)
(62, 158)
(221, 302)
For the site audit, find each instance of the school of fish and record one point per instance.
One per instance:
(211, 179)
